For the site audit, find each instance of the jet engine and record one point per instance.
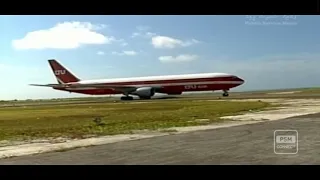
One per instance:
(144, 92)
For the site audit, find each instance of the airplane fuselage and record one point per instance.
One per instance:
(144, 87)
(169, 84)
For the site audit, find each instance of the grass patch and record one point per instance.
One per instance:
(78, 120)
(310, 91)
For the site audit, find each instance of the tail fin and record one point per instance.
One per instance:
(62, 74)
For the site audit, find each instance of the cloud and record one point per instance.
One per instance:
(149, 34)
(127, 53)
(100, 53)
(130, 53)
(124, 44)
(135, 34)
(67, 35)
(143, 32)
(179, 58)
(165, 42)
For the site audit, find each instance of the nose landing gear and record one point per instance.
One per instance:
(225, 93)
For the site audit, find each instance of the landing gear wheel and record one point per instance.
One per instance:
(124, 98)
(225, 93)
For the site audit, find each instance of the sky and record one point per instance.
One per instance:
(269, 52)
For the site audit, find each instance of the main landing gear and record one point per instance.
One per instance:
(126, 98)
(225, 93)
(145, 97)
(129, 98)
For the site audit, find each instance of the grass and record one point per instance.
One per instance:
(310, 91)
(77, 120)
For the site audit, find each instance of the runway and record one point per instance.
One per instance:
(247, 144)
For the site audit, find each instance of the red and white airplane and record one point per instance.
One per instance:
(144, 87)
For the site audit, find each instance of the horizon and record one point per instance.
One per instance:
(268, 52)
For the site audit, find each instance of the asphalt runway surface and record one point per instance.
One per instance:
(247, 144)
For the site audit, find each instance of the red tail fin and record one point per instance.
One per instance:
(62, 74)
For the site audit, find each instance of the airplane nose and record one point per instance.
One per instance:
(241, 80)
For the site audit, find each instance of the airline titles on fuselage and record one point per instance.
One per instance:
(195, 86)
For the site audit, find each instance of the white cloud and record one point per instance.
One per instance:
(135, 34)
(127, 53)
(67, 35)
(164, 42)
(179, 58)
(143, 32)
(124, 44)
(149, 34)
(130, 53)
(100, 53)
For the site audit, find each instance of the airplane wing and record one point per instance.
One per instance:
(121, 88)
(83, 85)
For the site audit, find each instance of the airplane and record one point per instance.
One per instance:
(143, 87)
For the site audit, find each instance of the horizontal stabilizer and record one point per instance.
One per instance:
(48, 85)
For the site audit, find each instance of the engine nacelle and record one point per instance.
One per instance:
(144, 92)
